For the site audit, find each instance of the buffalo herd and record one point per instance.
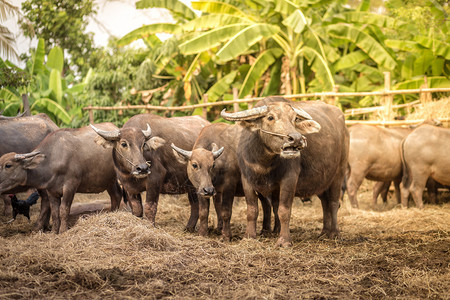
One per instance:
(273, 152)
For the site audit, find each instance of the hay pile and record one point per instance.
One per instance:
(389, 253)
(438, 109)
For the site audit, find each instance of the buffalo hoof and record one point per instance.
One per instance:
(202, 231)
(283, 243)
(331, 234)
(190, 229)
(250, 235)
(225, 239)
(266, 232)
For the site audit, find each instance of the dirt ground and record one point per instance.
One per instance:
(385, 252)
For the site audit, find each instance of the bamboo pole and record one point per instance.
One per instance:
(392, 123)
(250, 100)
(387, 99)
(205, 108)
(235, 97)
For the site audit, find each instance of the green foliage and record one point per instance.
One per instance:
(46, 88)
(63, 24)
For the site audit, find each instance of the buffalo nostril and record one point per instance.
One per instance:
(294, 137)
(208, 190)
(142, 168)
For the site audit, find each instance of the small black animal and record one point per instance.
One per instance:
(23, 207)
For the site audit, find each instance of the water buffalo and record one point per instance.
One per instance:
(215, 172)
(289, 149)
(375, 155)
(144, 160)
(21, 135)
(424, 155)
(66, 162)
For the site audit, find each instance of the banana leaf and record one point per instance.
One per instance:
(175, 6)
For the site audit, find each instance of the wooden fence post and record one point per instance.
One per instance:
(91, 116)
(425, 98)
(335, 99)
(205, 109)
(26, 105)
(387, 99)
(235, 97)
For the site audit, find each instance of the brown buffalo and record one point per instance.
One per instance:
(66, 162)
(144, 160)
(21, 135)
(424, 155)
(215, 172)
(374, 154)
(289, 149)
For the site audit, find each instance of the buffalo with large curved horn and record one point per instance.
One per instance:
(115, 135)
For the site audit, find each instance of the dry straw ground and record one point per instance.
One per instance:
(386, 252)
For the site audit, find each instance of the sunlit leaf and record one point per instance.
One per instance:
(55, 59)
(175, 6)
(261, 64)
(55, 108)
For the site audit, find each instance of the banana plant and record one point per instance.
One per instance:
(47, 90)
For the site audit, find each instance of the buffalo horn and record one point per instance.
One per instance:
(249, 114)
(217, 153)
(26, 155)
(148, 132)
(185, 153)
(107, 135)
(2, 117)
(302, 113)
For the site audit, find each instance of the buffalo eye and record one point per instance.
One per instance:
(270, 118)
(123, 144)
(195, 166)
(298, 119)
(7, 166)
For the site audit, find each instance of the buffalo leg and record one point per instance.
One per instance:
(330, 206)
(226, 212)
(218, 208)
(267, 214)
(203, 215)
(64, 210)
(284, 213)
(55, 203)
(115, 193)
(275, 204)
(193, 218)
(432, 191)
(7, 209)
(151, 205)
(43, 221)
(380, 188)
(354, 181)
(397, 191)
(417, 188)
(252, 209)
(135, 202)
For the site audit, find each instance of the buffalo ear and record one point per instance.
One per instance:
(180, 158)
(33, 162)
(308, 126)
(214, 147)
(156, 142)
(102, 142)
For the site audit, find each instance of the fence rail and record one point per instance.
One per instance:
(329, 97)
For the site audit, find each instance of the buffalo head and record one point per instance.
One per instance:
(129, 145)
(200, 165)
(280, 125)
(13, 168)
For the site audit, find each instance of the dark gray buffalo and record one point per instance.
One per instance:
(21, 135)
(66, 162)
(215, 172)
(144, 160)
(289, 149)
(425, 154)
